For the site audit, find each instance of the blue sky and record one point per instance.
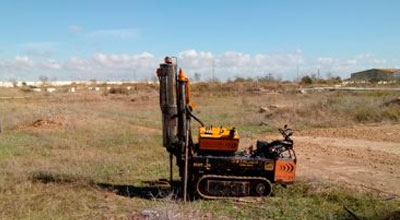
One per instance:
(125, 39)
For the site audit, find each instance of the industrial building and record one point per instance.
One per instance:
(377, 74)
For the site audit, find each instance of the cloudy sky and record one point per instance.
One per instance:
(127, 39)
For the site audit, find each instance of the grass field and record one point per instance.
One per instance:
(58, 152)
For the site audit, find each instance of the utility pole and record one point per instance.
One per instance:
(213, 71)
(297, 68)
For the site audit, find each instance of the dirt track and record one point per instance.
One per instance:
(367, 156)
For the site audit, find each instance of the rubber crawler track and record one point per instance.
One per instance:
(227, 178)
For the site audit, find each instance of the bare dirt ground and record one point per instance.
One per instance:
(367, 156)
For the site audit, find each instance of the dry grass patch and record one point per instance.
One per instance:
(77, 141)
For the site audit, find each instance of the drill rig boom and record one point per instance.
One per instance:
(213, 168)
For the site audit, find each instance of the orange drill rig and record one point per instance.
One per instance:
(213, 167)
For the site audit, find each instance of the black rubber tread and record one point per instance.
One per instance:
(254, 178)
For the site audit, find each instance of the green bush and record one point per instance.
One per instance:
(306, 80)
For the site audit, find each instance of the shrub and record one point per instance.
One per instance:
(306, 80)
(118, 90)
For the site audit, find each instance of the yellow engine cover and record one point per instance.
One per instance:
(218, 139)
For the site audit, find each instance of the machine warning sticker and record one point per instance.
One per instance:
(269, 166)
(197, 164)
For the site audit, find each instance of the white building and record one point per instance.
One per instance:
(6, 84)
(50, 90)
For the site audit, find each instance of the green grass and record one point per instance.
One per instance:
(338, 109)
(106, 140)
(302, 200)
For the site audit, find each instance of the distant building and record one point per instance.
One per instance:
(396, 75)
(50, 90)
(7, 84)
(376, 74)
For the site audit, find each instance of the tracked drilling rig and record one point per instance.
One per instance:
(213, 168)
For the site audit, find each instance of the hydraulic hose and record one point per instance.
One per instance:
(194, 117)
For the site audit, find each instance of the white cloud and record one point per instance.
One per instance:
(146, 55)
(325, 60)
(51, 64)
(38, 49)
(23, 61)
(229, 64)
(343, 67)
(351, 62)
(115, 33)
(75, 29)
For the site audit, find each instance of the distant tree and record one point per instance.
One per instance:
(337, 79)
(243, 79)
(270, 77)
(14, 82)
(267, 78)
(307, 80)
(329, 75)
(214, 80)
(314, 76)
(197, 77)
(239, 79)
(278, 78)
(43, 79)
